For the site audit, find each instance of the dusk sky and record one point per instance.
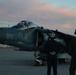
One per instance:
(52, 14)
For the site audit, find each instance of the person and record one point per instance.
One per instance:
(72, 53)
(51, 48)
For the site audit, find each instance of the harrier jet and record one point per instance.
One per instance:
(27, 36)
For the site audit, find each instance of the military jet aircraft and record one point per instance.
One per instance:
(28, 36)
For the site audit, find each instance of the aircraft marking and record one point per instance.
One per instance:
(20, 35)
(9, 36)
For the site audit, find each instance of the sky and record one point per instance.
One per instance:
(51, 14)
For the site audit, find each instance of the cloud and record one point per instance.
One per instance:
(68, 26)
(48, 15)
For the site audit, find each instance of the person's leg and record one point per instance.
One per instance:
(72, 70)
(55, 67)
(72, 67)
(48, 67)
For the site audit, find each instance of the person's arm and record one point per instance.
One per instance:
(46, 47)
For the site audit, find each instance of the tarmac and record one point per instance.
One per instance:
(22, 63)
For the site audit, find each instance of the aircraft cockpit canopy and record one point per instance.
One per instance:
(25, 25)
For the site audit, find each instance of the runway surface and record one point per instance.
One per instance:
(21, 63)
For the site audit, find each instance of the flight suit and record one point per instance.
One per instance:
(72, 52)
(51, 46)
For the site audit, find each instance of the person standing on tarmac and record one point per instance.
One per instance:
(51, 48)
(72, 53)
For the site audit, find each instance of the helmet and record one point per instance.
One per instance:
(51, 36)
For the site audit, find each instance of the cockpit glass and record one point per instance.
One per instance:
(30, 23)
(25, 25)
(18, 26)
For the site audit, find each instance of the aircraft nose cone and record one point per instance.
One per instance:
(2, 36)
